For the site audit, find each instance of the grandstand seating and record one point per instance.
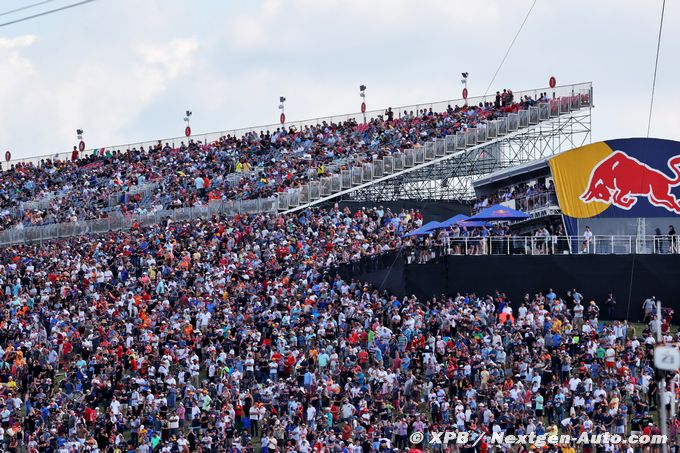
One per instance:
(296, 167)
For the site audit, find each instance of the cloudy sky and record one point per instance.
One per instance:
(126, 70)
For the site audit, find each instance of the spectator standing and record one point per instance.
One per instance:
(672, 240)
(587, 239)
(610, 303)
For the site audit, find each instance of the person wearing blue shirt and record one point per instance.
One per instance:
(551, 296)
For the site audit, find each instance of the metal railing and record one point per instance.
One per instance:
(562, 245)
(553, 109)
(118, 222)
(528, 203)
(344, 178)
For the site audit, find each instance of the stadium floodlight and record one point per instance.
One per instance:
(188, 116)
(79, 134)
(362, 93)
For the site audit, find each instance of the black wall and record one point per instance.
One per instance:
(631, 278)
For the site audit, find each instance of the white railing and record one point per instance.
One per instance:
(562, 245)
(344, 178)
(118, 222)
(527, 203)
(552, 110)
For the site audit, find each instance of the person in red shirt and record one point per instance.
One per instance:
(363, 358)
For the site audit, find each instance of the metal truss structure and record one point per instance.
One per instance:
(451, 179)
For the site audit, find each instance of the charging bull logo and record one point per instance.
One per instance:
(620, 180)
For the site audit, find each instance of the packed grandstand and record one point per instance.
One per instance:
(255, 165)
(237, 333)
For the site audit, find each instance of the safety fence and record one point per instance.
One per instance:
(345, 177)
(119, 222)
(350, 176)
(554, 109)
(557, 245)
(526, 203)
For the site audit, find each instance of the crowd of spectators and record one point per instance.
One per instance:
(527, 196)
(494, 238)
(235, 334)
(109, 181)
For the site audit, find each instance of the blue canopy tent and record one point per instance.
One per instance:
(472, 223)
(499, 212)
(425, 229)
(453, 220)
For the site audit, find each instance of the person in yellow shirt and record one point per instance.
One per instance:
(557, 325)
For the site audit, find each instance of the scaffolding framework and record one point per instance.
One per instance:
(451, 179)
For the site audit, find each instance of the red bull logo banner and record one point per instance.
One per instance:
(634, 177)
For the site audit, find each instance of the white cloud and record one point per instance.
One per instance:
(173, 57)
(19, 41)
(131, 75)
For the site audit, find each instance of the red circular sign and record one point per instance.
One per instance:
(8, 156)
(465, 93)
(553, 82)
(363, 107)
(187, 131)
(282, 118)
(81, 146)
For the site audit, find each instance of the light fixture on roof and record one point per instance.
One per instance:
(362, 93)
(282, 117)
(187, 117)
(464, 82)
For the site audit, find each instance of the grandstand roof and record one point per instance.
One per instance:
(527, 168)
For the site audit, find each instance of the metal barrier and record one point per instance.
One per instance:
(315, 190)
(325, 186)
(429, 151)
(492, 129)
(582, 89)
(399, 162)
(533, 115)
(471, 137)
(120, 222)
(536, 201)
(336, 183)
(346, 177)
(357, 176)
(440, 148)
(481, 133)
(460, 140)
(523, 118)
(388, 164)
(378, 168)
(562, 245)
(419, 155)
(565, 106)
(502, 126)
(409, 158)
